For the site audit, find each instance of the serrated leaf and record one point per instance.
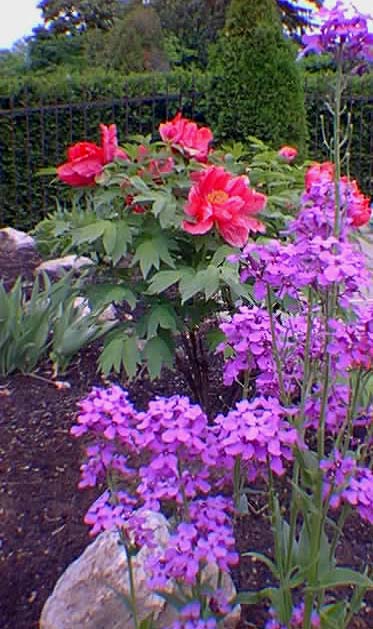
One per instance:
(123, 238)
(147, 255)
(161, 316)
(89, 233)
(120, 351)
(100, 295)
(109, 239)
(157, 354)
(163, 280)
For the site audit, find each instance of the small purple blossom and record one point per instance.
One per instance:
(258, 432)
(206, 537)
(296, 620)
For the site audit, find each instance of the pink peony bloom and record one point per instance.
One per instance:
(186, 136)
(86, 160)
(221, 199)
(288, 153)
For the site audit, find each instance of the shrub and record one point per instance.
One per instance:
(256, 87)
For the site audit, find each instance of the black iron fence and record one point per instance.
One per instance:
(34, 137)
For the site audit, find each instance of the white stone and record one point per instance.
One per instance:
(15, 238)
(58, 265)
(109, 314)
(87, 595)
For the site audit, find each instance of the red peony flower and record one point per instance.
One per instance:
(86, 159)
(221, 199)
(358, 205)
(187, 137)
(355, 203)
(109, 143)
(288, 153)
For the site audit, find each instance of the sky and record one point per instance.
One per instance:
(20, 16)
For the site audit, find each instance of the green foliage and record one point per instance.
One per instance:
(48, 322)
(256, 87)
(145, 259)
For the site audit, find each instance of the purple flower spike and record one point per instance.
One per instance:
(341, 34)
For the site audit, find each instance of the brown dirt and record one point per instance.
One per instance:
(41, 509)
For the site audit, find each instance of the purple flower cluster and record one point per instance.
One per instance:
(296, 620)
(116, 511)
(258, 432)
(249, 346)
(351, 346)
(206, 537)
(336, 410)
(248, 335)
(317, 262)
(345, 481)
(341, 35)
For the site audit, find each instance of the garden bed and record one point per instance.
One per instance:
(41, 518)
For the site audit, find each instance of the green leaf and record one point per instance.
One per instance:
(214, 337)
(161, 316)
(120, 351)
(344, 576)
(89, 233)
(157, 354)
(110, 237)
(123, 238)
(163, 280)
(221, 254)
(333, 616)
(100, 295)
(147, 255)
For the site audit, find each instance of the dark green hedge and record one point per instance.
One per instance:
(358, 102)
(43, 114)
(73, 106)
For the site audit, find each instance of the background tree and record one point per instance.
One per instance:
(46, 50)
(296, 18)
(257, 87)
(133, 44)
(196, 23)
(69, 16)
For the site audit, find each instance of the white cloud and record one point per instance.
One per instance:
(18, 18)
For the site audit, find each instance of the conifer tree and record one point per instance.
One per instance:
(257, 87)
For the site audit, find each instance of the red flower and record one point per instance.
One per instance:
(186, 136)
(319, 173)
(355, 203)
(358, 205)
(288, 153)
(218, 198)
(86, 159)
(109, 143)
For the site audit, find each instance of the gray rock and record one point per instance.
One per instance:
(87, 595)
(12, 239)
(58, 266)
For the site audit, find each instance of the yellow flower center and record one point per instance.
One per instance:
(217, 196)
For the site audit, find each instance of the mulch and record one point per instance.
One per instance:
(41, 508)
